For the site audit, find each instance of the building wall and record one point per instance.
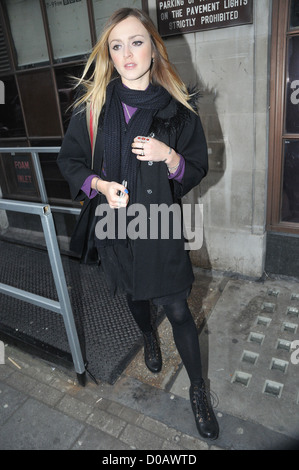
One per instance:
(231, 67)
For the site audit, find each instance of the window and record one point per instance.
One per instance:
(290, 198)
(5, 65)
(103, 9)
(11, 117)
(40, 103)
(294, 16)
(28, 33)
(69, 28)
(283, 195)
(65, 76)
(43, 44)
(290, 186)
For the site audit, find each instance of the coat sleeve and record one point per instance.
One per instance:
(74, 159)
(192, 145)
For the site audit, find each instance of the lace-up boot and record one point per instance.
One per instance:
(152, 352)
(205, 418)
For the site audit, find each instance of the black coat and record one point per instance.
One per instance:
(161, 267)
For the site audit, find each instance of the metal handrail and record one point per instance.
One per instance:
(35, 151)
(63, 306)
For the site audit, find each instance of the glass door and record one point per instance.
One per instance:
(290, 186)
(283, 195)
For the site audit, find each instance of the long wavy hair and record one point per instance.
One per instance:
(99, 62)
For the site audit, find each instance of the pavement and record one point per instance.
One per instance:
(247, 329)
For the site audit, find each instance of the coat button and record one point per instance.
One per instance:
(149, 191)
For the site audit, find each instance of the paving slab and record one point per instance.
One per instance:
(35, 426)
(246, 329)
(245, 345)
(10, 401)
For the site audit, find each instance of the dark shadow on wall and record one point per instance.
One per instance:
(207, 111)
(212, 127)
(217, 165)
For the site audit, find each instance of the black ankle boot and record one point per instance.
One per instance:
(205, 418)
(152, 352)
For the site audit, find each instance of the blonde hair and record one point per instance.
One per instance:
(162, 72)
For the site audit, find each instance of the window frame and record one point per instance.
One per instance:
(277, 135)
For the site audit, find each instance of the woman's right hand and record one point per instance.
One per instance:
(111, 189)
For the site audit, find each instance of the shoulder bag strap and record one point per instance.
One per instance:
(92, 130)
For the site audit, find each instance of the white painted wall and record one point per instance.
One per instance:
(231, 67)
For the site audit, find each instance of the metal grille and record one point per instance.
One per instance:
(107, 332)
(4, 56)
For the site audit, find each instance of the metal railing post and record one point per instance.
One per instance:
(35, 151)
(46, 216)
(64, 305)
(61, 287)
(39, 176)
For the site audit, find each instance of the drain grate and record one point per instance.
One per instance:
(107, 332)
(268, 307)
(264, 321)
(293, 311)
(284, 344)
(256, 338)
(241, 378)
(249, 356)
(273, 292)
(289, 327)
(279, 364)
(273, 388)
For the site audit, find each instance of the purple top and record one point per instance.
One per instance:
(177, 175)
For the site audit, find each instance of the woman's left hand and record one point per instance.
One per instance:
(150, 149)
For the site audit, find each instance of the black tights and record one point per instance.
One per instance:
(184, 331)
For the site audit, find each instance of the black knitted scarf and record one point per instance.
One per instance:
(119, 161)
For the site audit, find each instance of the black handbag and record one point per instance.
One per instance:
(83, 238)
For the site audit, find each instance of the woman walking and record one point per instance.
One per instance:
(149, 150)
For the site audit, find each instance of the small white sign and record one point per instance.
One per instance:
(2, 353)
(2, 92)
